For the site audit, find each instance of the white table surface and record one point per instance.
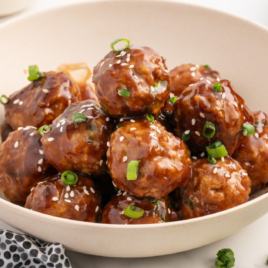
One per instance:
(250, 244)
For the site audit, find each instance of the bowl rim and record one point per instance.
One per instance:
(48, 218)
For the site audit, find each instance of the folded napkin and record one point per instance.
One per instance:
(23, 251)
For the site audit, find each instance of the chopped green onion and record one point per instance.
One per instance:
(107, 170)
(4, 99)
(90, 139)
(212, 160)
(127, 44)
(225, 258)
(44, 130)
(34, 73)
(156, 84)
(248, 129)
(79, 118)
(206, 66)
(104, 108)
(150, 118)
(217, 150)
(124, 93)
(209, 130)
(190, 203)
(118, 126)
(69, 178)
(173, 100)
(217, 87)
(132, 170)
(185, 137)
(133, 212)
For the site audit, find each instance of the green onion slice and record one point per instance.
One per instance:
(34, 73)
(190, 203)
(90, 139)
(150, 118)
(69, 178)
(248, 129)
(173, 100)
(225, 258)
(217, 150)
(79, 118)
(133, 212)
(124, 93)
(185, 137)
(4, 99)
(206, 66)
(156, 84)
(132, 170)
(107, 170)
(209, 130)
(126, 41)
(212, 160)
(217, 87)
(44, 130)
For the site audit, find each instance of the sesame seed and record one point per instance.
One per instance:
(223, 95)
(215, 170)
(132, 121)
(202, 155)
(131, 66)
(97, 208)
(222, 159)
(101, 161)
(61, 129)
(68, 188)
(242, 106)
(55, 198)
(20, 128)
(124, 64)
(16, 144)
(69, 102)
(77, 207)
(32, 134)
(133, 128)
(41, 152)
(128, 55)
(235, 104)
(16, 101)
(202, 115)
(50, 139)
(86, 105)
(169, 211)
(107, 119)
(124, 193)
(63, 122)
(192, 69)
(128, 59)
(256, 135)
(82, 111)
(227, 175)
(39, 169)
(101, 63)
(129, 199)
(121, 138)
(187, 132)
(86, 192)
(58, 125)
(197, 133)
(32, 189)
(40, 182)
(66, 195)
(118, 61)
(113, 184)
(72, 194)
(91, 108)
(121, 119)
(47, 111)
(244, 174)
(136, 77)
(21, 102)
(193, 121)
(89, 117)
(110, 65)
(67, 200)
(40, 162)
(158, 130)
(92, 190)
(45, 90)
(194, 157)
(108, 144)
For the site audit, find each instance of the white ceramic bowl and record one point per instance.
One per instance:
(182, 33)
(8, 7)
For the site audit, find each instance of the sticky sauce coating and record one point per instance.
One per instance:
(41, 101)
(79, 202)
(82, 145)
(137, 70)
(199, 104)
(155, 211)
(22, 164)
(214, 188)
(164, 159)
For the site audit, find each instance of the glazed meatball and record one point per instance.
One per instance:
(252, 154)
(214, 188)
(162, 161)
(82, 141)
(42, 101)
(200, 105)
(132, 82)
(80, 201)
(186, 74)
(150, 210)
(5, 130)
(22, 164)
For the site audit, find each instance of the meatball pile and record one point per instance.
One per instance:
(151, 146)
